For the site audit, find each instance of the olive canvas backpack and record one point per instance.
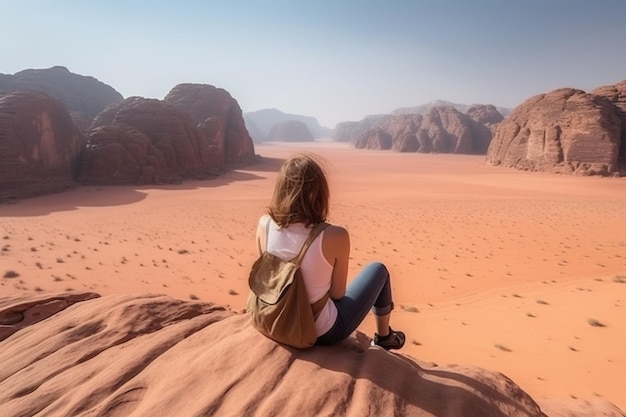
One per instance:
(278, 302)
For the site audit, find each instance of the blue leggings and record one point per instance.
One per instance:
(370, 289)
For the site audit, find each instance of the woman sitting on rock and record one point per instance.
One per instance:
(300, 202)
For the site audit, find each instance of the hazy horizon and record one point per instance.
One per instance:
(335, 61)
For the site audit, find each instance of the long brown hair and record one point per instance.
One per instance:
(301, 193)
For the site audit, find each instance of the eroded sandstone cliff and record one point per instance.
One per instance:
(39, 145)
(565, 131)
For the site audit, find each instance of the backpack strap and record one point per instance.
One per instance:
(312, 235)
(267, 232)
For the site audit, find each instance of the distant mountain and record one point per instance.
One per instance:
(261, 122)
(424, 108)
(290, 131)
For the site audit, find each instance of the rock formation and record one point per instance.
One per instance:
(485, 114)
(146, 141)
(83, 96)
(377, 138)
(401, 131)
(566, 131)
(290, 131)
(445, 130)
(350, 131)
(486, 118)
(463, 108)
(39, 145)
(441, 130)
(617, 95)
(196, 132)
(219, 116)
(147, 355)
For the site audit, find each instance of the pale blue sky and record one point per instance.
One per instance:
(333, 60)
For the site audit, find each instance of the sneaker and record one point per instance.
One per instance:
(394, 340)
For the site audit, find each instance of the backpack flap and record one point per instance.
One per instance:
(270, 277)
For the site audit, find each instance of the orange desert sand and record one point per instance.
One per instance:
(516, 272)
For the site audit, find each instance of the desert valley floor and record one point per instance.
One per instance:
(519, 272)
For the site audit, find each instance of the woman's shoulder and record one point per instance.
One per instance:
(263, 220)
(336, 243)
(334, 231)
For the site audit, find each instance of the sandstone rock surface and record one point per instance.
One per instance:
(19, 312)
(83, 96)
(566, 130)
(146, 355)
(219, 117)
(377, 138)
(39, 145)
(440, 130)
(350, 131)
(485, 114)
(290, 131)
(617, 95)
(463, 108)
(486, 118)
(146, 141)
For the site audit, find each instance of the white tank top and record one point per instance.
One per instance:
(316, 271)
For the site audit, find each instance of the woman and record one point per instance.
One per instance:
(301, 201)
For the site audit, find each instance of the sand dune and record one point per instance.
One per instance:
(520, 273)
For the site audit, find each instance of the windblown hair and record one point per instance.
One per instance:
(301, 192)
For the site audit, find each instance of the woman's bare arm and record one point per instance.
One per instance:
(336, 248)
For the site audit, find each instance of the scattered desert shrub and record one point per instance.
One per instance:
(11, 274)
(502, 347)
(193, 297)
(595, 323)
(233, 292)
(620, 279)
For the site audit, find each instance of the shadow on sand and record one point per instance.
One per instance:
(117, 195)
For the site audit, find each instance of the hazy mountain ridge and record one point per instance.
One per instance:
(463, 108)
(261, 122)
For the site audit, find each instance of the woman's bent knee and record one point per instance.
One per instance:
(379, 267)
